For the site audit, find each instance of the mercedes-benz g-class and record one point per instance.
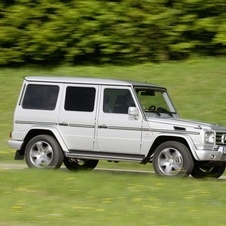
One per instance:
(79, 121)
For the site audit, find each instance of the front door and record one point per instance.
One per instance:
(117, 131)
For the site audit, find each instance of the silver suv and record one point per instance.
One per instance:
(79, 121)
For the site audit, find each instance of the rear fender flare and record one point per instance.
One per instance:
(51, 130)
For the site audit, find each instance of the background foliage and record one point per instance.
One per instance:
(117, 31)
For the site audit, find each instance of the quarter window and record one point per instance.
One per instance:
(40, 97)
(80, 99)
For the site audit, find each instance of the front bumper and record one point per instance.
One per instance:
(218, 154)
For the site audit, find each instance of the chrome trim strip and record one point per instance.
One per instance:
(81, 125)
(146, 129)
(124, 128)
(110, 127)
(34, 122)
(53, 123)
(128, 128)
(175, 131)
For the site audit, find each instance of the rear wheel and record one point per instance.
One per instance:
(80, 164)
(172, 158)
(43, 151)
(202, 170)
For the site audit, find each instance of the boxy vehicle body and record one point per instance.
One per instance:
(80, 121)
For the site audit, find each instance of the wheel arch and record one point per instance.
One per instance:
(43, 131)
(182, 139)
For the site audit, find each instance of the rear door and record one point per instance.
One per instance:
(77, 116)
(117, 131)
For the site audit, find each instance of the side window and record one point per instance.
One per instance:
(40, 97)
(117, 101)
(80, 99)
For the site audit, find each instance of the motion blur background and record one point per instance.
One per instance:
(110, 31)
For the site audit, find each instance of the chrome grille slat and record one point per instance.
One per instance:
(221, 138)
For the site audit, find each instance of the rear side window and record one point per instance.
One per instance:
(40, 97)
(80, 99)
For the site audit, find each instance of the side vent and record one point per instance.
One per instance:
(179, 128)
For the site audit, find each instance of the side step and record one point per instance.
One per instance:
(105, 155)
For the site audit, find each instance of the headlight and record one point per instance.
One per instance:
(209, 137)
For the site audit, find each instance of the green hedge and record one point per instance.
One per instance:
(73, 31)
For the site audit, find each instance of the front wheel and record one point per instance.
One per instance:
(80, 164)
(172, 158)
(202, 170)
(43, 151)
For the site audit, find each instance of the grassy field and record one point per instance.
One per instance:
(31, 197)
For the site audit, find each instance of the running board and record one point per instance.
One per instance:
(105, 155)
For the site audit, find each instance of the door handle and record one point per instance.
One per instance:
(63, 124)
(103, 127)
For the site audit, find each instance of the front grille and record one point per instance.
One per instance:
(221, 138)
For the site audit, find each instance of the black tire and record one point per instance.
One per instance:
(202, 170)
(80, 164)
(43, 151)
(172, 159)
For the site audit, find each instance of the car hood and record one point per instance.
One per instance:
(185, 124)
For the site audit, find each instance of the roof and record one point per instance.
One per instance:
(86, 80)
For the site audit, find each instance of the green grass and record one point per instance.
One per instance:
(36, 197)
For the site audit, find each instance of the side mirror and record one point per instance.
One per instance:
(133, 111)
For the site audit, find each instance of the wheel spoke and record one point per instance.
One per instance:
(167, 154)
(169, 169)
(46, 159)
(34, 154)
(39, 146)
(177, 166)
(38, 161)
(48, 150)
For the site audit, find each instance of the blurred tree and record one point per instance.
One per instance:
(198, 26)
(116, 31)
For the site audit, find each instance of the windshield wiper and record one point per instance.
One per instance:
(155, 112)
(163, 110)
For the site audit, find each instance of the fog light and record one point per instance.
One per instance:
(211, 157)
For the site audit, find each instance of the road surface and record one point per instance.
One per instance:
(11, 166)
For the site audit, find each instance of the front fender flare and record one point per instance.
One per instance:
(185, 138)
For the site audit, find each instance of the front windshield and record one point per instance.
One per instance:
(155, 101)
